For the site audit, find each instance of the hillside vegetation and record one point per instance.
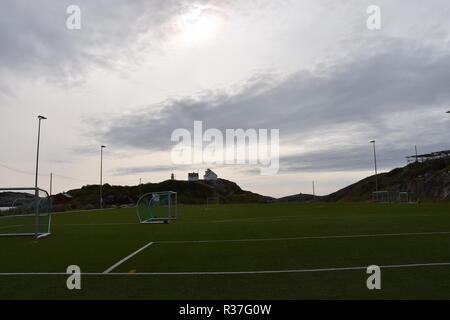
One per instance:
(429, 181)
(189, 192)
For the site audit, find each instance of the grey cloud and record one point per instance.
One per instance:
(86, 149)
(125, 171)
(37, 44)
(358, 157)
(398, 76)
(94, 150)
(352, 158)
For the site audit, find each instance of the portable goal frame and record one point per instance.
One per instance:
(157, 207)
(29, 214)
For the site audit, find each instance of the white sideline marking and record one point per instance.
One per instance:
(13, 226)
(250, 219)
(310, 237)
(87, 210)
(286, 271)
(291, 217)
(94, 224)
(126, 258)
(229, 272)
(18, 216)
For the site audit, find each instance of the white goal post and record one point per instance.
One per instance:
(211, 202)
(393, 197)
(25, 211)
(407, 197)
(157, 207)
(383, 196)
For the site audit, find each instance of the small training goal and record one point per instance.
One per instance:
(25, 212)
(157, 207)
(407, 197)
(393, 197)
(383, 196)
(212, 202)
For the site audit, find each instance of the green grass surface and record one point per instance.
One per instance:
(96, 240)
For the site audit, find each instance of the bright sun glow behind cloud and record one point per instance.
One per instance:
(198, 25)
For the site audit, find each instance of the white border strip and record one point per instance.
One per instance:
(126, 258)
(89, 210)
(94, 224)
(229, 272)
(12, 226)
(310, 237)
(17, 216)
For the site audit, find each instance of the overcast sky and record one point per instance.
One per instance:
(137, 70)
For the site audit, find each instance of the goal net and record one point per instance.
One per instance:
(25, 212)
(212, 202)
(406, 197)
(383, 196)
(393, 197)
(157, 207)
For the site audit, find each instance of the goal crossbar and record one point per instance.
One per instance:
(34, 209)
(157, 207)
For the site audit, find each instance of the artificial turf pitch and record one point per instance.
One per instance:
(218, 252)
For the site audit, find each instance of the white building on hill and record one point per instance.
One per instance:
(192, 176)
(210, 175)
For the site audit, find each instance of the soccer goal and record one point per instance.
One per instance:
(383, 196)
(407, 197)
(25, 212)
(212, 202)
(157, 207)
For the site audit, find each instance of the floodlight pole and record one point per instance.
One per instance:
(417, 157)
(36, 193)
(101, 175)
(314, 190)
(37, 153)
(51, 183)
(375, 162)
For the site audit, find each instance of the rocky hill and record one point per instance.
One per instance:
(428, 180)
(189, 192)
(8, 199)
(301, 197)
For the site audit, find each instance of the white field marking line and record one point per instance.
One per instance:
(249, 219)
(310, 237)
(262, 219)
(126, 258)
(415, 265)
(13, 226)
(94, 224)
(88, 210)
(298, 216)
(18, 216)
